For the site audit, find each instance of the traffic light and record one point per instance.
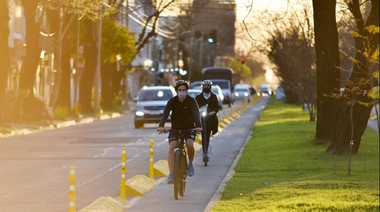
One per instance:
(212, 36)
(242, 60)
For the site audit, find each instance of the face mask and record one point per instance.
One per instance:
(206, 90)
(182, 95)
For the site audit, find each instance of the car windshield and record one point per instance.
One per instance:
(222, 84)
(240, 90)
(155, 95)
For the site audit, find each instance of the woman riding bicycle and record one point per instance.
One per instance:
(184, 115)
(210, 121)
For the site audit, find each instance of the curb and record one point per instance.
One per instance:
(104, 204)
(59, 124)
(161, 168)
(139, 185)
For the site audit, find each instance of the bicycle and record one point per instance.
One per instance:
(181, 164)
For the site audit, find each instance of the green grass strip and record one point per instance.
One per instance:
(284, 169)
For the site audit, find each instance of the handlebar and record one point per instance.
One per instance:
(178, 131)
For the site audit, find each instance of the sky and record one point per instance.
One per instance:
(247, 10)
(243, 6)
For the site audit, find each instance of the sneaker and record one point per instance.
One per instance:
(170, 179)
(191, 170)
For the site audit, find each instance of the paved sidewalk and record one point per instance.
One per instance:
(22, 128)
(205, 188)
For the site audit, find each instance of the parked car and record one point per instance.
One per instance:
(150, 104)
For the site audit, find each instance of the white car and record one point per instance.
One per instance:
(150, 104)
(194, 92)
(242, 91)
(214, 88)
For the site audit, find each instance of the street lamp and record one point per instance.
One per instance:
(148, 63)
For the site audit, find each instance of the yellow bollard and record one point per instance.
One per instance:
(123, 192)
(151, 163)
(72, 189)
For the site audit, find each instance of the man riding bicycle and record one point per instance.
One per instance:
(184, 115)
(210, 121)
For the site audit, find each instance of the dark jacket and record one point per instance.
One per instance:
(213, 105)
(185, 115)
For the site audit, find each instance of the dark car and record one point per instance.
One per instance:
(150, 104)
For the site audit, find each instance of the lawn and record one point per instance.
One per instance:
(284, 169)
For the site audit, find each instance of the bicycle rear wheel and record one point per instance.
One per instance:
(177, 174)
(184, 170)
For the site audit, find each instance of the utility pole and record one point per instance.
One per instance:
(126, 83)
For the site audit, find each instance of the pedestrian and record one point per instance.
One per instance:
(210, 121)
(184, 115)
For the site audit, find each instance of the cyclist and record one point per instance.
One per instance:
(184, 115)
(210, 121)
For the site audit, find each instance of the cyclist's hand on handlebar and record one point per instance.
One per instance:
(198, 129)
(160, 129)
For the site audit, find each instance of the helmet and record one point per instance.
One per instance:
(181, 82)
(207, 82)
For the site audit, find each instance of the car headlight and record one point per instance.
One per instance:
(236, 94)
(139, 113)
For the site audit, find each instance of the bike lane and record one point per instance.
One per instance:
(204, 189)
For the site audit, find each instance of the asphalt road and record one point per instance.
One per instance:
(34, 168)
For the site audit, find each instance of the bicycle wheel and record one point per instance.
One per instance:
(177, 174)
(184, 170)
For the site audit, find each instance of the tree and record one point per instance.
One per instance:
(289, 46)
(327, 64)
(4, 54)
(293, 54)
(30, 63)
(117, 41)
(89, 10)
(241, 71)
(355, 110)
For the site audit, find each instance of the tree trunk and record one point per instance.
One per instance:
(107, 92)
(4, 53)
(348, 130)
(90, 56)
(33, 49)
(64, 92)
(358, 86)
(327, 62)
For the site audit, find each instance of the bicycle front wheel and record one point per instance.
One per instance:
(184, 168)
(177, 174)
